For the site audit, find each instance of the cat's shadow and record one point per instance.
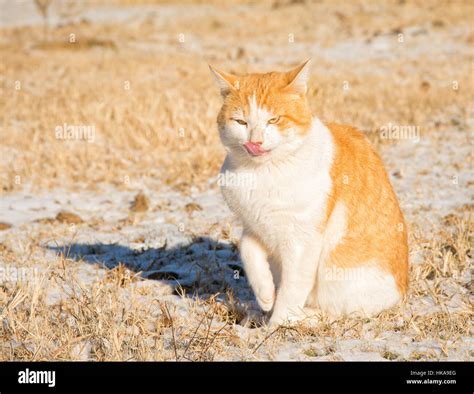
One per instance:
(201, 269)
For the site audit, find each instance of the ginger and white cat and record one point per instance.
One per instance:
(322, 225)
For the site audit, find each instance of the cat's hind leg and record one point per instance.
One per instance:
(363, 290)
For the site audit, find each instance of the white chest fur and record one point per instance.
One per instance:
(286, 198)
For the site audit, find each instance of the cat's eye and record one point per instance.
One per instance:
(274, 120)
(240, 121)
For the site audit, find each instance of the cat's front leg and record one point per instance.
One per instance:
(257, 269)
(299, 264)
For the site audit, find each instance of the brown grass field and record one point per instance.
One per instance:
(137, 72)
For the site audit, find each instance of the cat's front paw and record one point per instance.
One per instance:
(285, 319)
(265, 298)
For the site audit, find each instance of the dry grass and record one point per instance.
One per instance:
(163, 128)
(116, 315)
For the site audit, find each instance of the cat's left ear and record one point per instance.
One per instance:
(298, 78)
(226, 82)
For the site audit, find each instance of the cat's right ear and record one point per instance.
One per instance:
(298, 78)
(226, 82)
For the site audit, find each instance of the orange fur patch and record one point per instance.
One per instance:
(273, 92)
(376, 228)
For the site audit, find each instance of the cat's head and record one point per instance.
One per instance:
(263, 116)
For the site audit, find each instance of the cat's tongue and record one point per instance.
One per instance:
(254, 149)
